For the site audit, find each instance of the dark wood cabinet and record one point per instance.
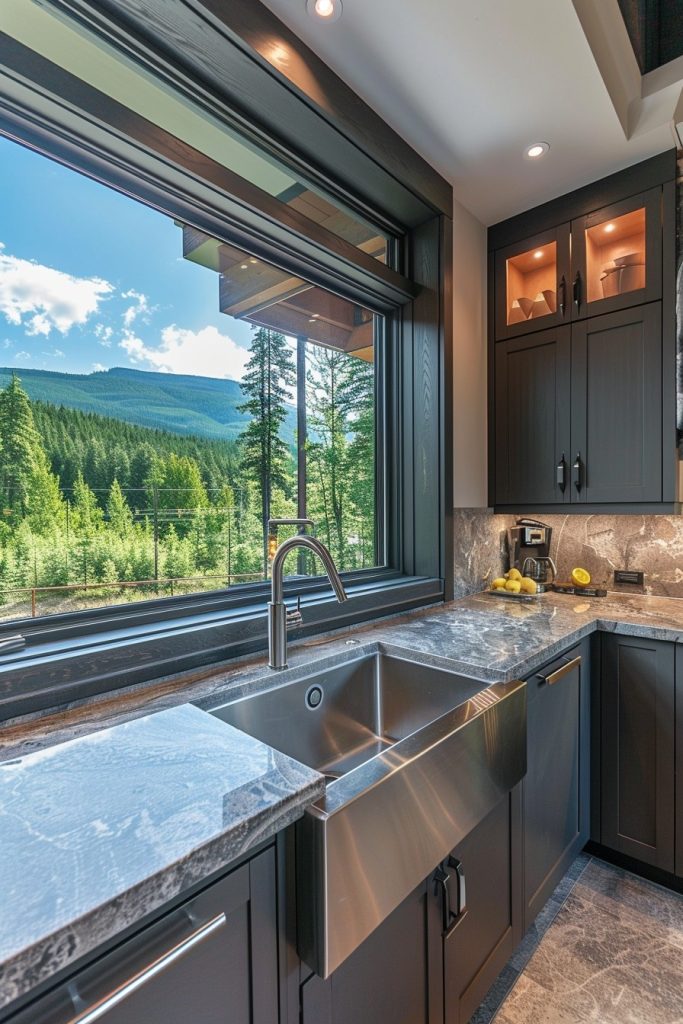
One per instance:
(213, 959)
(533, 284)
(582, 328)
(678, 858)
(637, 749)
(556, 788)
(578, 413)
(616, 418)
(617, 256)
(395, 975)
(532, 428)
(482, 936)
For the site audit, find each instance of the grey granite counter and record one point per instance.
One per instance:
(99, 831)
(100, 825)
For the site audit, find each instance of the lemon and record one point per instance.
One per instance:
(581, 577)
(499, 583)
(514, 586)
(514, 574)
(528, 585)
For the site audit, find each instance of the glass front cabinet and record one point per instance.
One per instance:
(608, 260)
(533, 284)
(617, 256)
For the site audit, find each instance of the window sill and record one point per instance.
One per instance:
(56, 669)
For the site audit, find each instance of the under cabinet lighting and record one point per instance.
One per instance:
(609, 227)
(538, 254)
(327, 10)
(536, 150)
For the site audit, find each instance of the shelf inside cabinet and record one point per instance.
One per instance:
(615, 256)
(531, 283)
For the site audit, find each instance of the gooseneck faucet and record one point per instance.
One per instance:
(278, 616)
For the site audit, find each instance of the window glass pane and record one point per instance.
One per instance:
(162, 395)
(615, 255)
(532, 283)
(87, 57)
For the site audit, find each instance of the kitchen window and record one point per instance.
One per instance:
(163, 396)
(262, 255)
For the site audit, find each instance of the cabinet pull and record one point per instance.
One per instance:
(97, 1010)
(561, 476)
(577, 291)
(563, 295)
(561, 672)
(577, 472)
(461, 904)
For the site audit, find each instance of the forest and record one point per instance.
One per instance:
(128, 512)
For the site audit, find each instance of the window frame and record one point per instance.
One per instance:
(93, 651)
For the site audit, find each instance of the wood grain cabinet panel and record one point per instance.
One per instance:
(637, 748)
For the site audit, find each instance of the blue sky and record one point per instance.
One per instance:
(91, 279)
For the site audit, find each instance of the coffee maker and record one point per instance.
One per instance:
(529, 551)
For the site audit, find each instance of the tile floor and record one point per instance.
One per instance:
(607, 948)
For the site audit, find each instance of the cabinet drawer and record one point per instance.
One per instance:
(213, 959)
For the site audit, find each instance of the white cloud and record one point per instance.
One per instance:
(43, 299)
(98, 367)
(56, 353)
(103, 334)
(204, 353)
(22, 355)
(139, 308)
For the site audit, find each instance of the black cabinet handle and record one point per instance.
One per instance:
(441, 878)
(461, 904)
(563, 295)
(577, 291)
(561, 474)
(577, 472)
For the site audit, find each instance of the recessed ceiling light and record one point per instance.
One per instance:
(326, 10)
(536, 150)
(538, 254)
(244, 266)
(609, 227)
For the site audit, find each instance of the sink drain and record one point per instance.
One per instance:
(314, 697)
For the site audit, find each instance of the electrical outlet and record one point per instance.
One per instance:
(632, 576)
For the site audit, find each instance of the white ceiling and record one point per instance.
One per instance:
(471, 83)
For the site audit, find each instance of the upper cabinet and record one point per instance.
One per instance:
(617, 256)
(582, 394)
(532, 284)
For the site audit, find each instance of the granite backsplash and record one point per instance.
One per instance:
(599, 543)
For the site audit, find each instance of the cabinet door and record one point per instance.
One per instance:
(532, 419)
(213, 960)
(637, 749)
(617, 407)
(481, 938)
(532, 284)
(395, 975)
(617, 256)
(679, 761)
(556, 797)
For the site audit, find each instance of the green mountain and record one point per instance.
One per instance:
(186, 405)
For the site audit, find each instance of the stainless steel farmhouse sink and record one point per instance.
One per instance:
(415, 757)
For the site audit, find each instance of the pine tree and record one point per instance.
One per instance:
(119, 514)
(267, 383)
(86, 514)
(20, 446)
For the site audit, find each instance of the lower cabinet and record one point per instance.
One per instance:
(212, 960)
(436, 956)
(395, 975)
(637, 747)
(481, 902)
(556, 788)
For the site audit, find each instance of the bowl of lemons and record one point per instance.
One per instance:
(513, 584)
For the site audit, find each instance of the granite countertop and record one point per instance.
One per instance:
(101, 830)
(113, 806)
